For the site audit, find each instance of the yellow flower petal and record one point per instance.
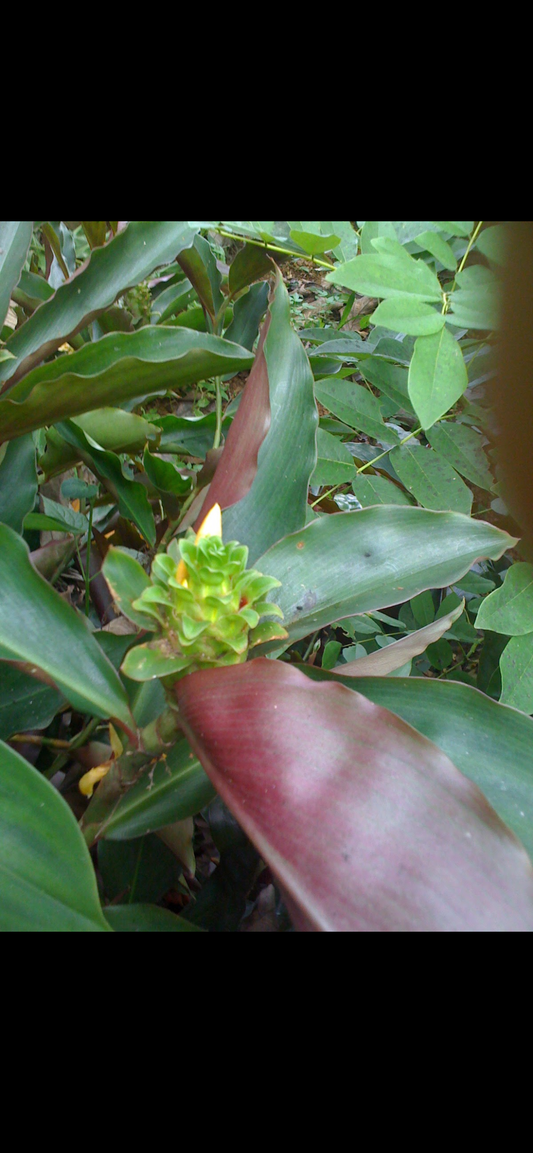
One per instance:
(211, 524)
(181, 574)
(89, 780)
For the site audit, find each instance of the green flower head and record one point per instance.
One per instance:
(206, 606)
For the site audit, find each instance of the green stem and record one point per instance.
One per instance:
(472, 241)
(368, 464)
(174, 524)
(218, 429)
(276, 248)
(75, 743)
(88, 559)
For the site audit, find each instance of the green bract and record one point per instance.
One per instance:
(207, 608)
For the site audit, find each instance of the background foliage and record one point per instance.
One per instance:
(328, 384)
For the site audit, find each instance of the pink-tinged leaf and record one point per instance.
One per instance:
(392, 657)
(238, 464)
(367, 825)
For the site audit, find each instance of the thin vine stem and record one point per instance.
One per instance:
(368, 464)
(277, 248)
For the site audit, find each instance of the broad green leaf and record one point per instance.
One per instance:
(172, 300)
(376, 557)
(69, 520)
(390, 379)
(371, 490)
(334, 461)
(174, 788)
(18, 482)
(516, 667)
(131, 495)
(277, 499)
(146, 919)
(432, 481)
(47, 881)
(388, 275)
(493, 242)
(437, 376)
(25, 703)
(313, 242)
(139, 870)
(248, 311)
(122, 263)
(474, 308)
(250, 264)
(373, 228)
(395, 655)
(113, 370)
(15, 236)
(188, 434)
(111, 428)
(423, 608)
(395, 812)
(199, 264)
(490, 743)
(356, 406)
(127, 580)
(509, 609)
(462, 447)
(165, 476)
(438, 247)
(456, 227)
(409, 315)
(39, 630)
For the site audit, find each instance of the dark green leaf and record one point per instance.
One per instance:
(334, 461)
(130, 494)
(18, 482)
(25, 703)
(462, 447)
(113, 370)
(146, 919)
(15, 236)
(356, 562)
(356, 406)
(175, 788)
(125, 261)
(47, 882)
(39, 630)
(432, 481)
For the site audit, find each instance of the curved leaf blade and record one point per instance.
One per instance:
(175, 788)
(15, 236)
(47, 881)
(39, 630)
(393, 656)
(113, 370)
(387, 275)
(358, 562)
(509, 609)
(368, 826)
(122, 263)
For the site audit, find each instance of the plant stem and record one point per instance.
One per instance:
(368, 464)
(88, 558)
(75, 743)
(218, 409)
(174, 524)
(276, 248)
